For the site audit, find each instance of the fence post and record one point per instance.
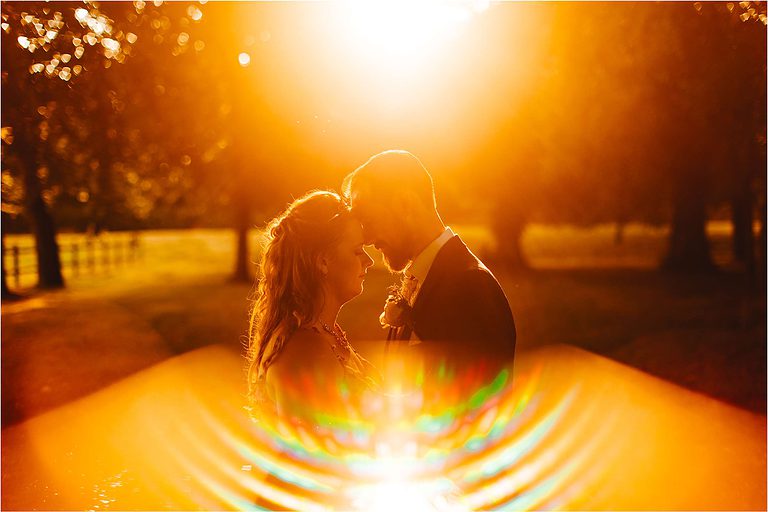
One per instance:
(16, 269)
(118, 253)
(75, 260)
(134, 246)
(105, 255)
(91, 255)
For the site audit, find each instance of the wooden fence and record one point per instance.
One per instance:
(87, 256)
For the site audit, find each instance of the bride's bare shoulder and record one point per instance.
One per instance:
(305, 347)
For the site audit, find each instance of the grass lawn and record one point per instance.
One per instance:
(703, 332)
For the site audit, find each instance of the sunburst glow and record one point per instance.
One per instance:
(398, 35)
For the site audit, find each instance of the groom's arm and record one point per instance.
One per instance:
(477, 313)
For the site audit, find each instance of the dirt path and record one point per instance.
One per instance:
(61, 346)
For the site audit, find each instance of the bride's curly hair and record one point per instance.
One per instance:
(289, 292)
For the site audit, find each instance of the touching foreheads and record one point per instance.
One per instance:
(390, 173)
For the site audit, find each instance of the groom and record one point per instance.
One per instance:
(454, 302)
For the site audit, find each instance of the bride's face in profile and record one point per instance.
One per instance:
(347, 264)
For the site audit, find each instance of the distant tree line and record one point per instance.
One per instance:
(650, 112)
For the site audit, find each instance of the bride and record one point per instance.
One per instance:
(313, 263)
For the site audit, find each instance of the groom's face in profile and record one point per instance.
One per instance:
(383, 229)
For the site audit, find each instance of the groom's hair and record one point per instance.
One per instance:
(389, 173)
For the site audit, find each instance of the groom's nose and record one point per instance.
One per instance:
(367, 261)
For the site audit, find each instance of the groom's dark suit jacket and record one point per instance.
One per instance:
(461, 308)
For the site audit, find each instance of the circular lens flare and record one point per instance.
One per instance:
(445, 437)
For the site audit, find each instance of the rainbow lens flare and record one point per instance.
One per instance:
(563, 430)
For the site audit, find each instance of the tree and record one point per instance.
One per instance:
(11, 207)
(38, 44)
(53, 54)
(740, 75)
(719, 50)
(629, 121)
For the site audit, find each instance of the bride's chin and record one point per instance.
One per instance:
(353, 294)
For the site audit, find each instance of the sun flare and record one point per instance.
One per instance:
(398, 35)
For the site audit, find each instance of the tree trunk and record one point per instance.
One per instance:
(43, 227)
(242, 225)
(26, 142)
(762, 257)
(103, 200)
(688, 243)
(618, 233)
(741, 220)
(6, 292)
(243, 182)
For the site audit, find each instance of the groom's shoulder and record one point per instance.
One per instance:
(476, 278)
(459, 271)
(463, 261)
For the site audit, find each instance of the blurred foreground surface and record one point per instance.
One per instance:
(574, 431)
